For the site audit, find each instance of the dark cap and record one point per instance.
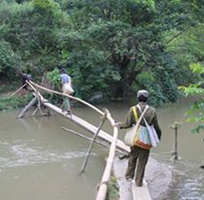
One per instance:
(143, 93)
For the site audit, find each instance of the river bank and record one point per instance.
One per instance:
(158, 176)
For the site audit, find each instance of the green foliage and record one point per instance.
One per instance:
(187, 48)
(14, 102)
(198, 129)
(113, 188)
(8, 60)
(178, 14)
(54, 77)
(4, 86)
(32, 34)
(45, 4)
(197, 68)
(196, 112)
(111, 46)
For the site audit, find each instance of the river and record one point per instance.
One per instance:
(41, 161)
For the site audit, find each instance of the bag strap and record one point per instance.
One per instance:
(143, 114)
(135, 113)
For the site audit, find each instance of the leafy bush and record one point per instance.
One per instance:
(8, 60)
(110, 46)
(196, 112)
(14, 102)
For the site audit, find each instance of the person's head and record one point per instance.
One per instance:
(62, 70)
(142, 95)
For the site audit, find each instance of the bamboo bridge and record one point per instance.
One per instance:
(138, 193)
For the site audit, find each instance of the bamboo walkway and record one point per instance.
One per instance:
(141, 193)
(89, 127)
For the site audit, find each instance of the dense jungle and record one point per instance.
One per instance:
(109, 47)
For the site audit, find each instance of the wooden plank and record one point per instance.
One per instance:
(89, 127)
(140, 193)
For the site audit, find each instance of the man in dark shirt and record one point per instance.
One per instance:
(138, 154)
(24, 78)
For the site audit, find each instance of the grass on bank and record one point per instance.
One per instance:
(10, 103)
(113, 190)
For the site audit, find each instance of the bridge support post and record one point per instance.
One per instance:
(175, 152)
(32, 102)
(92, 143)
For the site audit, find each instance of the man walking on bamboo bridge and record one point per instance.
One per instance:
(66, 89)
(139, 155)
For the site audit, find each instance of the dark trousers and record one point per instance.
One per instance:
(138, 157)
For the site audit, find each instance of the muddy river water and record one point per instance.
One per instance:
(41, 161)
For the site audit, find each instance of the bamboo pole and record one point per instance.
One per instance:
(35, 111)
(87, 138)
(70, 96)
(102, 190)
(38, 97)
(17, 90)
(32, 102)
(36, 92)
(92, 143)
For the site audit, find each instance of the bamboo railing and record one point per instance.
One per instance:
(70, 96)
(102, 191)
(103, 186)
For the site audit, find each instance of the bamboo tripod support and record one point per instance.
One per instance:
(37, 98)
